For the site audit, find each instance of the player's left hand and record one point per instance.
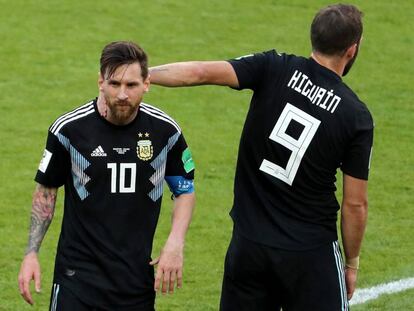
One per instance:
(350, 280)
(170, 267)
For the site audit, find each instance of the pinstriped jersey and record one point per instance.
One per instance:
(113, 178)
(303, 124)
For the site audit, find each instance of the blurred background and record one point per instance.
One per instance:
(49, 62)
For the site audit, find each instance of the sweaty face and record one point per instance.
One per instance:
(351, 62)
(123, 92)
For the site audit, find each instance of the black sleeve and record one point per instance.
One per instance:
(179, 160)
(54, 167)
(252, 69)
(358, 154)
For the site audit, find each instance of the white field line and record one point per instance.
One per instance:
(365, 294)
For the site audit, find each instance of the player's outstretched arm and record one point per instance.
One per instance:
(170, 263)
(43, 207)
(194, 73)
(353, 221)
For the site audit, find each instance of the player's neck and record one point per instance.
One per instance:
(333, 63)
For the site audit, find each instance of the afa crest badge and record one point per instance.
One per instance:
(144, 150)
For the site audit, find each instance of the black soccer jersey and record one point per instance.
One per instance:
(113, 178)
(303, 124)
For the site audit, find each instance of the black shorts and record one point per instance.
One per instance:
(62, 299)
(258, 277)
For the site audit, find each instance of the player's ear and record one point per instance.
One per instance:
(147, 83)
(350, 52)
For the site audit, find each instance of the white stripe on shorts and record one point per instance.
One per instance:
(341, 276)
(53, 304)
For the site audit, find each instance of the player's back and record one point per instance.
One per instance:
(303, 123)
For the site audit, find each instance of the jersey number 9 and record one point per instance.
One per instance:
(298, 145)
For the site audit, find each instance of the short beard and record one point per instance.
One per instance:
(121, 117)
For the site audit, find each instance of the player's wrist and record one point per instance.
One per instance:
(175, 241)
(352, 263)
(31, 252)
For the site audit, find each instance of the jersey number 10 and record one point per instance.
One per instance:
(123, 187)
(297, 146)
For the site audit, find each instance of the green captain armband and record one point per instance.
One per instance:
(187, 159)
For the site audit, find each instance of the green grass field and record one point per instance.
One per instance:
(49, 56)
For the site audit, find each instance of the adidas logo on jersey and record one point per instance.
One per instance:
(98, 152)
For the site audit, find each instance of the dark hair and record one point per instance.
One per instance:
(335, 28)
(119, 53)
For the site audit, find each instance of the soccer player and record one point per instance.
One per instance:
(112, 167)
(303, 124)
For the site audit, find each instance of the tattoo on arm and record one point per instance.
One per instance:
(43, 208)
(158, 68)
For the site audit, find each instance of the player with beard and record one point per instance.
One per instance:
(112, 161)
(303, 124)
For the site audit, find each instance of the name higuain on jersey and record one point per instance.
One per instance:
(316, 94)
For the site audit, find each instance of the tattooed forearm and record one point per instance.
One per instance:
(43, 208)
(158, 68)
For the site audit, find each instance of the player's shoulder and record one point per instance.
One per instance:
(278, 62)
(267, 56)
(283, 62)
(355, 107)
(70, 118)
(352, 98)
(159, 117)
(277, 54)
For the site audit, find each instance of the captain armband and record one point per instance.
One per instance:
(179, 185)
